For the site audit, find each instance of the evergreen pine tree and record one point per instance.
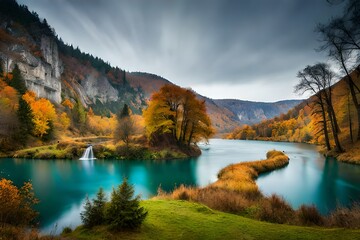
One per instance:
(17, 81)
(125, 112)
(99, 207)
(1, 68)
(124, 211)
(24, 115)
(94, 211)
(86, 215)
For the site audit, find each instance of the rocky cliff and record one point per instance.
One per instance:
(39, 62)
(42, 74)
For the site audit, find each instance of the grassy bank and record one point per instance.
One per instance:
(187, 220)
(108, 150)
(235, 185)
(351, 155)
(241, 177)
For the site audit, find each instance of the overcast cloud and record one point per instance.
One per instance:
(247, 50)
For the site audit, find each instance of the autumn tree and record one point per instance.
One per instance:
(125, 125)
(176, 112)
(68, 104)
(16, 204)
(43, 114)
(318, 80)
(341, 39)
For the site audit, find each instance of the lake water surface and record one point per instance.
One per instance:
(62, 185)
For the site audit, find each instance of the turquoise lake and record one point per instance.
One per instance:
(62, 185)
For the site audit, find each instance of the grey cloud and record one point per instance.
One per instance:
(196, 42)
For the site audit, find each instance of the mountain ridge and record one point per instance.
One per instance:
(57, 71)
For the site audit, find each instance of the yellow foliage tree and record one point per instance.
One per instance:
(63, 121)
(176, 111)
(43, 113)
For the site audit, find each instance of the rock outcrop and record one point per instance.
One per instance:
(41, 73)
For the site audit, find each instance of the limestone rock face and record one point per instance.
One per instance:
(98, 88)
(41, 74)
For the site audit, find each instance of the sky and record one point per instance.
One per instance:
(238, 49)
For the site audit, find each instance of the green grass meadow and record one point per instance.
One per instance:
(186, 220)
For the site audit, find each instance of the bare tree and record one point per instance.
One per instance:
(318, 79)
(125, 129)
(341, 38)
(126, 126)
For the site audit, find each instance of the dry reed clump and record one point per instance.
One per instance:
(184, 193)
(275, 209)
(309, 216)
(216, 198)
(345, 217)
(223, 200)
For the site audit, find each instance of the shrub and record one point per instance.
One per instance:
(132, 152)
(16, 204)
(184, 193)
(273, 153)
(223, 199)
(345, 217)
(123, 211)
(67, 230)
(275, 209)
(309, 215)
(94, 211)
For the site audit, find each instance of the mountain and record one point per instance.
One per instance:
(58, 71)
(249, 113)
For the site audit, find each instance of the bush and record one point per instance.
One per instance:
(16, 204)
(309, 215)
(275, 209)
(94, 211)
(132, 152)
(67, 230)
(345, 217)
(123, 211)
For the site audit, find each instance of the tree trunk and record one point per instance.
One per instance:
(335, 127)
(326, 133)
(352, 87)
(350, 122)
(332, 116)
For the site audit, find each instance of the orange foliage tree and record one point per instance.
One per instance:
(67, 103)
(43, 113)
(16, 205)
(176, 112)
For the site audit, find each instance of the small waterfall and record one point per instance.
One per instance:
(88, 154)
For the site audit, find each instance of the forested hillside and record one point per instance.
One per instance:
(304, 122)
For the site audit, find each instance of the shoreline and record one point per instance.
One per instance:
(74, 150)
(351, 156)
